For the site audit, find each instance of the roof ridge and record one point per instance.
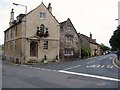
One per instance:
(90, 40)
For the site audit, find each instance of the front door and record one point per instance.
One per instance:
(33, 49)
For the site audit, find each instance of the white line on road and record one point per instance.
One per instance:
(109, 66)
(103, 66)
(89, 75)
(90, 62)
(72, 67)
(100, 66)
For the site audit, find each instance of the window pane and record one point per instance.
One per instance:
(42, 28)
(69, 52)
(42, 15)
(69, 39)
(45, 45)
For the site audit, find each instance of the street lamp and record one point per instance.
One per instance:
(25, 30)
(21, 5)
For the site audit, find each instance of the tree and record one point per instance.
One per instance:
(104, 48)
(115, 39)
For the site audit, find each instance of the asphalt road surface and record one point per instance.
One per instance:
(95, 72)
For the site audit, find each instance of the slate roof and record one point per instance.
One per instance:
(89, 39)
(62, 24)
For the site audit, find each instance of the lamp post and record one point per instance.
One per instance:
(24, 46)
(21, 5)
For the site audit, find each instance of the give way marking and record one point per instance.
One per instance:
(100, 66)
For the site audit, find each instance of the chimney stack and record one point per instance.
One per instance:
(49, 7)
(11, 18)
(90, 35)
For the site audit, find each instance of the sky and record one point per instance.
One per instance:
(95, 16)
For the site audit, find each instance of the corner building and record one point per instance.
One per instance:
(33, 36)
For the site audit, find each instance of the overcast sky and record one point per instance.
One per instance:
(95, 16)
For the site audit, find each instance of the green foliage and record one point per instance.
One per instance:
(85, 52)
(45, 57)
(56, 57)
(104, 48)
(1, 47)
(115, 39)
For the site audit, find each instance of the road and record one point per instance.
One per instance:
(95, 72)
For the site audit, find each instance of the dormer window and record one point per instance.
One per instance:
(42, 15)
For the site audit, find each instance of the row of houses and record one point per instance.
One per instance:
(38, 36)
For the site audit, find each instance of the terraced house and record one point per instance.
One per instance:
(37, 36)
(90, 45)
(69, 41)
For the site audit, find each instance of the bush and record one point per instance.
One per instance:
(85, 52)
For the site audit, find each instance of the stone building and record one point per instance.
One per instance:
(69, 41)
(32, 37)
(38, 36)
(90, 44)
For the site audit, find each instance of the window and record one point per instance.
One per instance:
(11, 34)
(42, 15)
(16, 31)
(7, 36)
(42, 28)
(69, 52)
(46, 45)
(33, 49)
(69, 38)
(11, 46)
(69, 28)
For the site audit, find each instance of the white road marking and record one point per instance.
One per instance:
(110, 57)
(90, 62)
(102, 83)
(72, 67)
(100, 66)
(109, 66)
(90, 75)
(48, 70)
(54, 70)
(40, 68)
(43, 69)
(92, 66)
